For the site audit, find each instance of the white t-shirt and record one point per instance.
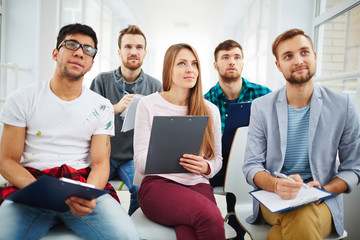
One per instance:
(155, 105)
(57, 132)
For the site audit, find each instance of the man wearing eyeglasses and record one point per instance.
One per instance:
(120, 86)
(53, 126)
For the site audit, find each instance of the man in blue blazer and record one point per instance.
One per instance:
(299, 130)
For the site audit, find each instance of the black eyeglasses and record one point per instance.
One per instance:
(74, 45)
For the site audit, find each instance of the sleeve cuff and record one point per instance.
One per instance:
(252, 173)
(351, 179)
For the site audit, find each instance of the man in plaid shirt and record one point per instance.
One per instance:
(231, 88)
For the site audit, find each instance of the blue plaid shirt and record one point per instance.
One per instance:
(249, 92)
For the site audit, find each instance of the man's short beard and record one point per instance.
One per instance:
(132, 67)
(229, 79)
(305, 79)
(73, 77)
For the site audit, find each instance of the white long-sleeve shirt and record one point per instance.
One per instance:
(156, 105)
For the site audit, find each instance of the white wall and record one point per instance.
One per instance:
(21, 45)
(351, 214)
(284, 15)
(30, 37)
(48, 31)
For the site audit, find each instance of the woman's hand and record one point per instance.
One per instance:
(195, 164)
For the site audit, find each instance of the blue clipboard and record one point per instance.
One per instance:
(238, 116)
(50, 193)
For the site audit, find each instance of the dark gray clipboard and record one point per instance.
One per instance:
(171, 137)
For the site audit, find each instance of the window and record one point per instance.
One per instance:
(0, 32)
(255, 44)
(1, 28)
(337, 31)
(71, 12)
(2, 72)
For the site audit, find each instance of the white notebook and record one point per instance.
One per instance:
(130, 113)
(274, 203)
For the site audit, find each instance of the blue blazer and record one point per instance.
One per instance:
(333, 130)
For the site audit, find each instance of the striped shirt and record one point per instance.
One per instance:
(297, 150)
(248, 92)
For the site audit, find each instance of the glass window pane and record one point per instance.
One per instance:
(348, 86)
(326, 5)
(0, 32)
(1, 70)
(339, 53)
(92, 14)
(341, 46)
(72, 11)
(75, 4)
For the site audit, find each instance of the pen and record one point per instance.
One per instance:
(124, 91)
(281, 175)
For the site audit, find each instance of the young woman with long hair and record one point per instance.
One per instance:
(183, 200)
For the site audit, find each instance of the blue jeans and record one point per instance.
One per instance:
(126, 171)
(107, 221)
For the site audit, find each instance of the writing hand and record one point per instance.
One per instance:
(288, 189)
(79, 206)
(123, 103)
(195, 164)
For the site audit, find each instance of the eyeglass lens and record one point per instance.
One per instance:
(73, 45)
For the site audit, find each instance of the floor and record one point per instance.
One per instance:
(220, 199)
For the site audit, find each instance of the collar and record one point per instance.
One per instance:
(245, 85)
(315, 95)
(120, 78)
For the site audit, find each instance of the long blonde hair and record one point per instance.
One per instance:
(196, 104)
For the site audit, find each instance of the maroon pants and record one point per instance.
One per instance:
(192, 210)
